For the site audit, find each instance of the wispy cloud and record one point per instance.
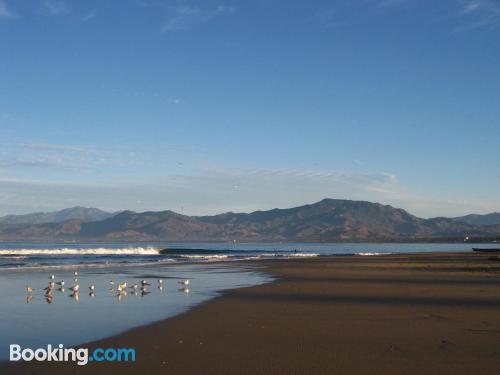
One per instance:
(45, 162)
(56, 7)
(186, 16)
(57, 147)
(475, 14)
(343, 12)
(216, 190)
(88, 16)
(5, 11)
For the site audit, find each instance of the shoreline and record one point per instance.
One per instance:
(346, 314)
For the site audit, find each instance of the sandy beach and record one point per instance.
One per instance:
(393, 314)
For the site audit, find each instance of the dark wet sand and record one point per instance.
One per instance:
(395, 314)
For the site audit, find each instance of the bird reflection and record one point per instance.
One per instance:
(92, 295)
(29, 298)
(49, 298)
(121, 295)
(75, 295)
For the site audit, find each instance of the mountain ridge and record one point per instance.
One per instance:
(329, 220)
(77, 212)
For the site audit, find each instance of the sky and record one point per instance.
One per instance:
(210, 106)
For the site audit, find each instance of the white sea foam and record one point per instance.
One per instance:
(371, 254)
(204, 257)
(289, 255)
(85, 251)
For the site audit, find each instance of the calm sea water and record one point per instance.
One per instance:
(34, 320)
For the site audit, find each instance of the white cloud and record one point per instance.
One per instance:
(88, 16)
(216, 190)
(475, 14)
(56, 7)
(5, 11)
(186, 16)
(57, 147)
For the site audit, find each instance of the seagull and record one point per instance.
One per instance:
(61, 283)
(75, 288)
(52, 277)
(29, 289)
(145, 283)
(184, 282)
(75, 273)
(135, 286)
(92, 287)
(122, 286)
(160, 281)
(111, 282)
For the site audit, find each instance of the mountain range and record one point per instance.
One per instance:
(475, 219)
(329, 220)
(78, 213)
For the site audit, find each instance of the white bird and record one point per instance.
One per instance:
(61, 283)
(160, 281)
(75, 273)
(145, 283)
(111, 282)
(75, 288)
(184, 282)
(135, 286)
(52, 277)
(92, 287)
(75, 280)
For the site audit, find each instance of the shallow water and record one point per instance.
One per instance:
(68, 320)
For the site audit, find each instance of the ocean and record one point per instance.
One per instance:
(69, 255)
(35, 319)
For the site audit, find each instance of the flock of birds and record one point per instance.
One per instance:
(141, 288)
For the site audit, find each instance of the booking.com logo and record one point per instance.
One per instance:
(80, 356)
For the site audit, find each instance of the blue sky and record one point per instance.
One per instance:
(209, 106)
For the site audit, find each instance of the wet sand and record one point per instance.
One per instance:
(394, 314)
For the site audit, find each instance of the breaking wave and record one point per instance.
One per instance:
(88, 251)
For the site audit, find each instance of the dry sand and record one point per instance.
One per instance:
(395, 314)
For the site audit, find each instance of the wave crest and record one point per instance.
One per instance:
(83, 251)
